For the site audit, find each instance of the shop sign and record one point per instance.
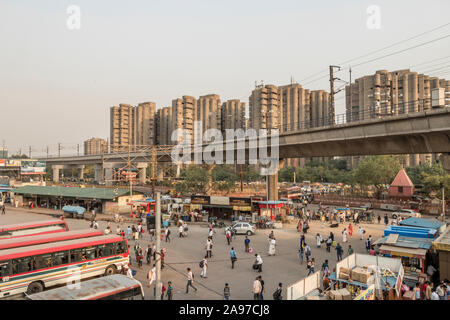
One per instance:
(398, 283)
(242, 208)
(243, 202)
(223, 201)
(200, 199)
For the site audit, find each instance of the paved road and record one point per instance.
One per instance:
(187, 252)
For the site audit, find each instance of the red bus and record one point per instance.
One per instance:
(46, 238)
(35, 268)
(32, 228)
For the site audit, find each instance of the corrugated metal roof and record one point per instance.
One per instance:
(402, 180)
(409, 251)
(73, 192)
(421, 223)
(443, 242)
(406, 242)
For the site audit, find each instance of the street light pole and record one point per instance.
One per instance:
(158, 245)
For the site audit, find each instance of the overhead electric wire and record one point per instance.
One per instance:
(426, 62)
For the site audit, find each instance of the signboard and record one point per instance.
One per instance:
(13, 163)
(200, 199)
(241, 202)
(243, 208)
(2, 162)
(398, 283)
(29, 167)
(368, 294)
(222, 201)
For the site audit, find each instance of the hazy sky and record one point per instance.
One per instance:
(56, 84)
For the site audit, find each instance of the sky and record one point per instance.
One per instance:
(57, 84)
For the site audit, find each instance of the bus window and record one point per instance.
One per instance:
(121, 247)
(60, 258)
(43, 261)
(75, 255)
(21, 265)
(106, 250)
(4, 268)
(90, 253)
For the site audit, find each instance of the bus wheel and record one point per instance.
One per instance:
(110, 270)
(35, 287)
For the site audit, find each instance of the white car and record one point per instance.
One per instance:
(405, 213)
(242, 228)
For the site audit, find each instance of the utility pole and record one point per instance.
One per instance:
(78, 149)
(129, 170)
(59, 149)
(29, 152)
(47, 152)
(443, 201)
(103, 162)
(153, 177)
(158, 245)
(332, 92)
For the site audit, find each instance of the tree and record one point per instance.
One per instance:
(377, 171)
(286, 174)
(196, 180)
(224, 177)
(18, 156)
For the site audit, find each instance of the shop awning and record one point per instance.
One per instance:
(403, 252)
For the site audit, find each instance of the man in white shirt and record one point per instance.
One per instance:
(434, 295)
(129, 273)
(205, 266)
(190, 280)
(259, 262)
(209, 245)
(256, 289)
(361, 233)
(344, 235)
(211, 232)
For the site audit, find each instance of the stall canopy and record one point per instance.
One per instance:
(72, 192)
(405, 242)
(403, 252)
(443, 242)
(410, 231)
(270, 204)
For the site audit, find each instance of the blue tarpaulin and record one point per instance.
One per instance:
(74, 209)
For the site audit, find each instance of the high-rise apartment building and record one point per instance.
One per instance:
(295, 107)
(163, 125)
(121, 127)
(321, 113)
(233, 115)
(144, 124)
(209, 111)
(94, 146)
(264, 109)
(389, 94)
(184, 113)
(132, 126)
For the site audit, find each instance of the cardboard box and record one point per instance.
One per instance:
(409, 295)
(345, 270)
(344, 276)
(345, 294)
(360, 275)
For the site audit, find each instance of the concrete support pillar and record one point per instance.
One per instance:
(179, 166)
(81, 172)
(56, 168)
(98, 173)
(273, 183)
(445, 160)
(210, 169)
(109, 174)
(142, 166)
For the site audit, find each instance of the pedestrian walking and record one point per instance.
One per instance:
(263, 290)
(226, 292)
(311, 265)
(368, 244)
(228, 236)
(379, 219)
(325, 268)
(232, 257)
(350, 230)
(386, 219)
(302, 240)
(318, 240)
(246, 243)
(180, 231)
(258, 263)
(190, 280)
(328, 243)
(204, 267)
(151, 276)
(139, 258)
(272, 244)
(167, 233)
(360, 232)
(278, 292)
(3, 209)
(307, 252)
(256, 288)
(211, 233)
(350, 250)
(339, 252)
(148, 254)
(300, 254)
(208, 247)
(169, 290)
(344, 235)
